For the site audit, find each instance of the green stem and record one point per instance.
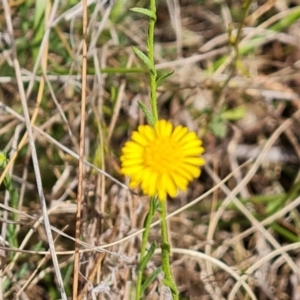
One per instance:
(245, 7)
(145, 237)
(165, 251)
(153, 74)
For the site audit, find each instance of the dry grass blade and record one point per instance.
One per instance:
(81, 186)
(243, 214)
(241, 280)
(231, 195)
(34, 153)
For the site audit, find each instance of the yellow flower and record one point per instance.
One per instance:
(162, 159)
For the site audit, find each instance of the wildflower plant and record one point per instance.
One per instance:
(161, 160)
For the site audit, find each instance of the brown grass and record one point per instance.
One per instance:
(234, 232)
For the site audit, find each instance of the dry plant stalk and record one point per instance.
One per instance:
(80, 193)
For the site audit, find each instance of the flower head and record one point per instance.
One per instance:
(162, 159)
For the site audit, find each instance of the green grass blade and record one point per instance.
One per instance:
(144, 11)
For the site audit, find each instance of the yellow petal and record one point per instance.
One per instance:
(179, 181)
(192, 144)
(134, 184)
(183, 173)
(192, 170)
(139, 139)
(131, 170)
(179, 132)
(161, 191)
(149, 184)
(163, 128)
(162, 195)
(193, 151)
(129, 156)
(188, 138)
(170, 186)
(132, 162)
(147, 132)
(196, 161)
(132, 147)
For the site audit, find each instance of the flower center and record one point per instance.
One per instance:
(162, 155)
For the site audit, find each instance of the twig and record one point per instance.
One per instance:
(81, 148)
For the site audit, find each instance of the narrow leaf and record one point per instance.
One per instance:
(147, 257)
(151, 278)
(38, 25)
(144, 58)
(147, 113)
(163, 77)
(144, 11)
(234, 114)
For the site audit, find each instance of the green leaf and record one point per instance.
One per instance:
(118, 12)
(234, 114)
(145, 59)
(147, 113)
(147, 257)
(151, 278)
(3, 159)
(286, 233)
(163, 77)
(38, 25)
(218, 126)
(144, 11)
(287, 20)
